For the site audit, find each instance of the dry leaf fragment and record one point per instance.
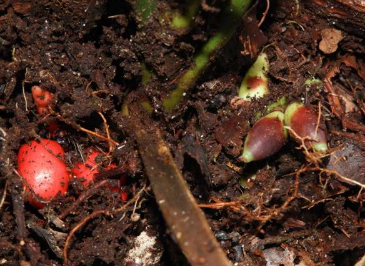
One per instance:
(330, 39)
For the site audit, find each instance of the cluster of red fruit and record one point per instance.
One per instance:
(42, 163)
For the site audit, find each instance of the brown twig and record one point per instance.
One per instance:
(209, 8)
(18, 209)
(221, 205)
(174, 198)
(333, 99)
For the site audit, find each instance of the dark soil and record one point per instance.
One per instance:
(93, 56)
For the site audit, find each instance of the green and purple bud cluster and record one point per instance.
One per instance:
(269, 134)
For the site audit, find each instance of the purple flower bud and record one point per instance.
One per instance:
(303, 120)
(265, 138)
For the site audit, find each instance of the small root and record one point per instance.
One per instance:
(78, 127)
(311, 156)
(93, 215)
(4, 195)
(132, 200)
(335, 173)
(106, 126)
(209, 8)
(265, 13)
(25, 97)
(84, 196)
(238, 206)
(77, 227)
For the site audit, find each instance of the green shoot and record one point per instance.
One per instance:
(229, 21)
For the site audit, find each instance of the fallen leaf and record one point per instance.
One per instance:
(330, 39)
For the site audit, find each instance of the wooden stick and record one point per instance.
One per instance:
(178, 206)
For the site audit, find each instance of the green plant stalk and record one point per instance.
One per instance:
(184, 21)
(281, 103)
(229, 21)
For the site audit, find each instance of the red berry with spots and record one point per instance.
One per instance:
(87, 170)
(45, 174)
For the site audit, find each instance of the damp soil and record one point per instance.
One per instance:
(94, 56)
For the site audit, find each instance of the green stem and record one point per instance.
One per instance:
(229, 21)
(184, 21)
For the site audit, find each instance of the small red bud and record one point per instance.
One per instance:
(265, 138)
(42, 98)
(303, 121)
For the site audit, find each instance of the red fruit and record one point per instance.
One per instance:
(87, 170)
(265, 138)
(42, 98)
(44, 171)
(303, 121)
